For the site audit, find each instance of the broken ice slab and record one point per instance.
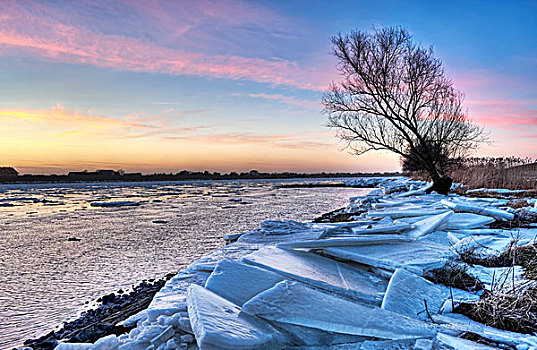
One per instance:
(321, 272)
(481, 232)
(345, 242)
(294, 303)
(467, 221)
(482, 244)
(281, 231)
(419, 191)
(74, 346)
(414, 256)
(393, 228)
(346, 224)
(429, 225)
(456, 343)
(493, 212)
(385, 203)
(313, 337)
(407, 293)
(456, 323)
(283, 227)
(218, 324)
(238, 282)
(498, 277)
(405, 213)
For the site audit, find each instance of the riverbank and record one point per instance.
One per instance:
(392, 241)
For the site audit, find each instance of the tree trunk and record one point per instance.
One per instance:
(441, 185)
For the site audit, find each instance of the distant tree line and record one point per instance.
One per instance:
(184, 175)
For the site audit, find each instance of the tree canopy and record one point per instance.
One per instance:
(394, 95)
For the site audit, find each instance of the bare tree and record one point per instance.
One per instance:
(395, 96)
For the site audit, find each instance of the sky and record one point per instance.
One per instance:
(225, 85)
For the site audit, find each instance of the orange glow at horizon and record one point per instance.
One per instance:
(58, 140)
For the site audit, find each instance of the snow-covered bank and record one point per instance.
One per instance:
(353, 285)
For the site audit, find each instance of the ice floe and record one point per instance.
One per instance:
(294, 303)
(321, 272)
(219, 324)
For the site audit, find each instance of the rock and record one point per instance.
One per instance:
(291, 302)
(218, 324)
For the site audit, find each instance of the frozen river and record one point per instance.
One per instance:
(45, 279)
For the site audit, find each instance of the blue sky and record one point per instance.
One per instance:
(231, 85)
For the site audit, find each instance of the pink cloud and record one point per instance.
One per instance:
(507, 114)
(35, 30)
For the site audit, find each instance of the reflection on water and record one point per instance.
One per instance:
(45, 279)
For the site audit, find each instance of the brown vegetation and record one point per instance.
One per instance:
(514, 311)
(455, 274)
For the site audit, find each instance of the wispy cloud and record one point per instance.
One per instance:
(308, 104)
(294, 141)
(507, 114)
(36, 28)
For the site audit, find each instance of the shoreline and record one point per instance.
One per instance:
(106, 317)
(173, 317)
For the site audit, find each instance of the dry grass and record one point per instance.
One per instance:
(491, 177)
(514, 311)
(508, 305)
(455, 274)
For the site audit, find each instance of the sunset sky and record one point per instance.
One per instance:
(161, 86)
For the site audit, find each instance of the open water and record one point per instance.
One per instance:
(45, 279)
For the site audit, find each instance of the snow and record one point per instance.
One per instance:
(291, 302)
